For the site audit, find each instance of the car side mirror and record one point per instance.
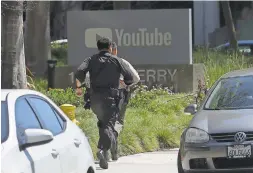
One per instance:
(206, 91)
(35, 136)
(192, 109)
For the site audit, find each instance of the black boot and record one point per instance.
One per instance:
(106, 155)
(102, 160)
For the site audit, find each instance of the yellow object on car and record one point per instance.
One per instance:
(69, 110)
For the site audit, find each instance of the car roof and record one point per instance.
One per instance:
(239, 42)
(60, 41)
(17, 93)
(236, 73)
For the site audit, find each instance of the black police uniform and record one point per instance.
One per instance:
(104, 69)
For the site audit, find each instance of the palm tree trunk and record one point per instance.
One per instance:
(13, 57)
(230, 24)
(37, 36)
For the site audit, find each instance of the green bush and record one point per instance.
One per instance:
(40, 84)
(67, 96)
(61, 96)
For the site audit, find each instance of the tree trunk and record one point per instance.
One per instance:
(37, 36)
(229, 23)
(59, 11)
(13, 57)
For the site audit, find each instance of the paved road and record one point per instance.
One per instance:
(162, 162)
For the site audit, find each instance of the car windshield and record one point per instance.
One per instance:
(4, 122)
(232, 93)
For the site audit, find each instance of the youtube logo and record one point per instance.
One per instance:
(142, 37)
(92, 35)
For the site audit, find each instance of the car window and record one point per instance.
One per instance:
(25, 117)
(61, 121)
(232, 93)
(4, 122)
(47, 115)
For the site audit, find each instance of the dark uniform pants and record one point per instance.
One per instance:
(125, 96)
(105, 107)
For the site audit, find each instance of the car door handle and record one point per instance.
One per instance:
(77, 142)
(54, 153)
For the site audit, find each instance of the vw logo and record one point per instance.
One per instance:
(240, 137)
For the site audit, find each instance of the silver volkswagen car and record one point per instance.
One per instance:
(220, 136)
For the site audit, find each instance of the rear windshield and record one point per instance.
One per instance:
(4, 122)
(232, 93)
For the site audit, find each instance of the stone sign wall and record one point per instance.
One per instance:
(179, 78)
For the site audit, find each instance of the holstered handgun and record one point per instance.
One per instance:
(87, 104)
(116, 94)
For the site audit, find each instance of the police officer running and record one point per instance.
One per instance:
(125, 92)
(104, 70)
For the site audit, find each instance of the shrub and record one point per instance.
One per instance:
(40, 84)
(67, 96)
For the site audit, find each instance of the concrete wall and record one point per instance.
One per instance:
(179, 78)
(206, 20)
(245, 29)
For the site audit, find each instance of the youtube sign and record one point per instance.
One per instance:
(150, 36)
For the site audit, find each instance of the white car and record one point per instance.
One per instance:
(37, 137)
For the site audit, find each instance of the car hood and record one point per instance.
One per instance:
(223, 121)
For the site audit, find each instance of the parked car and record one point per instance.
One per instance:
(245, 47)
(219, 138)
(37, 137)
(63, 41)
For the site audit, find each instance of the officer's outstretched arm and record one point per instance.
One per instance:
(81, 71)
(134, 73)
(130, 74)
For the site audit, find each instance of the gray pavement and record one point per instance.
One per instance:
(162, 162)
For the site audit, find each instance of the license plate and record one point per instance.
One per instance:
(239, 151)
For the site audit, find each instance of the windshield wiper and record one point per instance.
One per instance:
(218, 108)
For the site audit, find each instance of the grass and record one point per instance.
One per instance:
(217, 63)
(154, 119)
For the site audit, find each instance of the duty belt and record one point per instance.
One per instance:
(114, 92)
